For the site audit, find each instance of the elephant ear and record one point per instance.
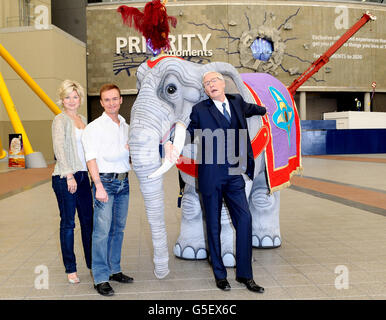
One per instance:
(140, 74)
(230, 86)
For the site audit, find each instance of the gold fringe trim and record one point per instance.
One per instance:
(298, 171)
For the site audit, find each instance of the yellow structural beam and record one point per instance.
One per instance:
(3, 153)
(13, 116)
(28, 80)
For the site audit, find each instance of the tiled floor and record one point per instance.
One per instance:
(328, 241)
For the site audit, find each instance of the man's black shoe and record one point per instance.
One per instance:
(223, 284)
(251, 285)
(104, 289)
(120, 277)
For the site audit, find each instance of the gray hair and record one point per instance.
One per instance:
(218, 75)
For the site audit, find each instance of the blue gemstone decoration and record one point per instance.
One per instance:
(262, 49)
(155, 52)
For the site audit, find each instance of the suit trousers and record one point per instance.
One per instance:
(232, 189)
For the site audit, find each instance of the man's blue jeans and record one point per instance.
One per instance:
(109, 223)
(81, 200)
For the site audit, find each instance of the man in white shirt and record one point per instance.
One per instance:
(107, 155)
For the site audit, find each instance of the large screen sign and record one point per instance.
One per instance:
(282, 40)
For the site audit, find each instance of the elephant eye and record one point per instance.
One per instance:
(171, 88)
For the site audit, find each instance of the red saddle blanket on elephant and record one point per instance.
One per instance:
(283, 148)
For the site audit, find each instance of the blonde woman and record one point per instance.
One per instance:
(70, 179)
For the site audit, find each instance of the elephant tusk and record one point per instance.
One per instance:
(179, 141)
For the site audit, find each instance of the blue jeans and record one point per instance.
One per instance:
(109, 223)
(81, 200)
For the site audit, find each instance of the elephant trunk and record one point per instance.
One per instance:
(144, 138)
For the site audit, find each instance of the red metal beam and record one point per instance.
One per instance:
(325, 57)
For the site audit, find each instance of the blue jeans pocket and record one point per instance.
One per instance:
(99, 204)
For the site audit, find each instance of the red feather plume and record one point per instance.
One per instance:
(152, 23)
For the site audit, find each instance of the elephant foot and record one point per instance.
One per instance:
(162, 274)
(267, 242)
(161, 271)
(229, 260)
(189, 253)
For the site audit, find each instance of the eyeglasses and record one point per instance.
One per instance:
(207, 83)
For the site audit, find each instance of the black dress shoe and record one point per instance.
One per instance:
(223, 284)
(104, 289)
(251, 285)
(120, 277)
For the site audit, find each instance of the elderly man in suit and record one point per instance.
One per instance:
(220, 177)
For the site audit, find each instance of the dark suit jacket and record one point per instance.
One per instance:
(205, 115)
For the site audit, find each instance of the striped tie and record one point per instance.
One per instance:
(226, 114)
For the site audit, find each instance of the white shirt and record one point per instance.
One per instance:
(218, 104)
(105, 141)
(79, 147)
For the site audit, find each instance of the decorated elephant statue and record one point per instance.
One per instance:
(168, 88)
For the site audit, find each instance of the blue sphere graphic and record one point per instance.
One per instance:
(262, 49)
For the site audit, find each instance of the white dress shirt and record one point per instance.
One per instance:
(105, 141)
(218, 104)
